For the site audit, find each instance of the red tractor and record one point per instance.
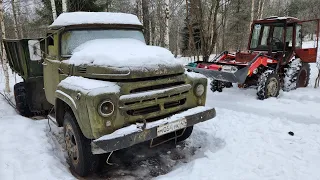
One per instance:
(275, 59)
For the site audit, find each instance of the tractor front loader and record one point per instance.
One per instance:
(275, 59)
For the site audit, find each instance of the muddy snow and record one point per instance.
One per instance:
(249, 139)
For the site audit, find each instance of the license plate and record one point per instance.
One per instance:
(171, 127)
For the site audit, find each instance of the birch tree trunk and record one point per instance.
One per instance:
(54, 11)
(3, 53)
(64, 6)
(15, 23)
(167, 31)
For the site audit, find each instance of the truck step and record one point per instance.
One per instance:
(52, 118)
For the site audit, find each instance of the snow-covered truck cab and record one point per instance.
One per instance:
(111, 91)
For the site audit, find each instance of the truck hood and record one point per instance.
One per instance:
(124, 58)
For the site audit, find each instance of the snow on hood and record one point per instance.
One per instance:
(77, 18)
(121, 53)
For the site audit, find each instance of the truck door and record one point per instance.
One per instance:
(51, 66)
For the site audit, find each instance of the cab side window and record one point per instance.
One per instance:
(50, 45)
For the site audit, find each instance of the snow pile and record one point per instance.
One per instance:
(78, 18)
(26, 152)
(121, 53)
(85, 85)
(26, 149)
(136, 128)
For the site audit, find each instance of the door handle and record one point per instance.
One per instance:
(44, 64)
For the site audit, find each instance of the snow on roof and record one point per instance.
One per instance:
(122, 52)
(78, 18)
(91, 86)
(279, 18)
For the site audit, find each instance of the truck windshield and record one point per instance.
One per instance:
(72, 39)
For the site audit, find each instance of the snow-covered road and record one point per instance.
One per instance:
(247, 140)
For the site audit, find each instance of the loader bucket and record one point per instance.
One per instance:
(237, 77)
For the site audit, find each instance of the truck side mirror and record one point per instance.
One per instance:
(34, 50)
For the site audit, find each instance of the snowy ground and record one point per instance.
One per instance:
(247, 140)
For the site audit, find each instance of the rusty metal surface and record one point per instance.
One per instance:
(105, 146)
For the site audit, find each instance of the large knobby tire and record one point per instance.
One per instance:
(20, 96)
(216, 85)
(297, 74)
(269, 85)
(186, 134)
(80, 157)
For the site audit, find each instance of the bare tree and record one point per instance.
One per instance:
(139, 10)
(252, 13)
(20, 23)
(3, 53)
(15, 23)
(146, 20)
(53, 8)
(260, 8)
(207, 18)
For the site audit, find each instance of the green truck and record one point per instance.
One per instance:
(94, 75)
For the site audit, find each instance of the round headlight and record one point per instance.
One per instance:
(199, 90)
(106, 108)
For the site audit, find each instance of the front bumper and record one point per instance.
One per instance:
(134, 134)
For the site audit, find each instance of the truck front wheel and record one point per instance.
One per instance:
(20, 96)
(80, 157)
(186, 134)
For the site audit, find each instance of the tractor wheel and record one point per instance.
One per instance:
(186, 134)
(269, 85)
(20, 96)
(216, 85)
(80, 157)
(297, 74)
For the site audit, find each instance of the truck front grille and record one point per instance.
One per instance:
(154, 87)
(143, 111)
(172, 104)
(160, 100)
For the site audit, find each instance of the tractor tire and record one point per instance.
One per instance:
(269, 85)
(187, 133)
(297, 75)
(80, 157)
(20, 96)
(216, 85)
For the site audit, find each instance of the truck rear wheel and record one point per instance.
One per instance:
(20, 96)
(80, 157)
(269, 85)
(297, 74)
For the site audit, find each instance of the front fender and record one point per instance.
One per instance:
(78, 107)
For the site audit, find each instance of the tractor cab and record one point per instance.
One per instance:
(277, 37)
(275, 58)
